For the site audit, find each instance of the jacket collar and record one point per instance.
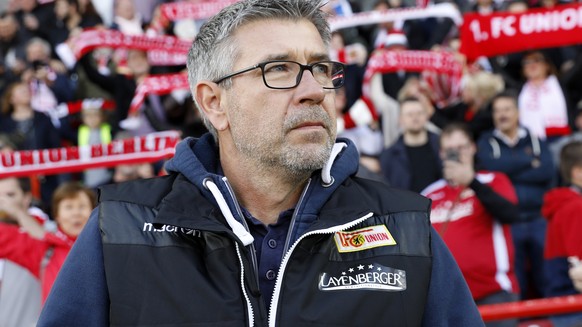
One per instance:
(197, 160)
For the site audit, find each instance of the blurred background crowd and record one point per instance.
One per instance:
(497, 149)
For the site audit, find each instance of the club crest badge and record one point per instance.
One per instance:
(363, 239)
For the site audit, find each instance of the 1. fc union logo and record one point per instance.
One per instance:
(363, 239)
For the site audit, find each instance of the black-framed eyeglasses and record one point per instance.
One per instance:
(286, 74)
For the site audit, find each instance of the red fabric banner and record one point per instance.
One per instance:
(157, 84)
(502, 33)
(149, 148)
(167, 49)
(188, 10)
(386, 61)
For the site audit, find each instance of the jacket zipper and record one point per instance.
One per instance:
(293, 218)
(242, 285)
(278, 282)
(245, 224)
(252, 251)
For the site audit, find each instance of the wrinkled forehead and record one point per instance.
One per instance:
(276, 39)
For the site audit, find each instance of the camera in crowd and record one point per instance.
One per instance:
(452, 155)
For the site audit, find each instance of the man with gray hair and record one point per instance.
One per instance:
(261, 222)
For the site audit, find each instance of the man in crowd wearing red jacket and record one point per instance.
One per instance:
(471, 210)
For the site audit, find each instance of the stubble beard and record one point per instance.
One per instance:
(271, 148)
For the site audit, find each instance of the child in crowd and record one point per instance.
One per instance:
(40, 251)
(94, 130)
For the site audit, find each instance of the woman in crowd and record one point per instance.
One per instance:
(40, 251)
(29, 130)
(543, 108)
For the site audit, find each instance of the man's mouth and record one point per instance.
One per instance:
(310, 125)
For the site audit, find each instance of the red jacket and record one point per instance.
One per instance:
(17, 246)
(482, 246)
(563, 210)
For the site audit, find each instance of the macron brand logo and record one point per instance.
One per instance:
(149, 227)
(363, 239)
(370, 277)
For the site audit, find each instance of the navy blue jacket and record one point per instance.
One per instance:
(528, 165)
(395, 164)
(80, 296)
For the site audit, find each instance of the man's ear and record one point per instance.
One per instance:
(577, 175)
(209, 97)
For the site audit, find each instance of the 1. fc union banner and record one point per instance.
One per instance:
(502, 33)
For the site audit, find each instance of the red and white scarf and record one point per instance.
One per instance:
(162, 50)
(149, 148)
(386, 61)
(157, 84)
(188, 10)
(543, 110)
(375, 17)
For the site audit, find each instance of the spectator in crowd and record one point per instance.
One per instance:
(270, 160)
(40, 251)
(146, 8)
(12, 43)
(416, 87)
(393, 82)
(384, 90)
(527, 161)
(381, 31)
(367, 138)
(576, 135)
(29, 129)
(48, 78)
(90, 15)
(94, 130)
(20, 295)
(33, 17)
(562, 208)
(6, 77)
(576, 276)
(483, 7)
(126, 19)
(120, 86)
(472, 211)
(474, 107)
(69, 18)
(130, 172)
(356, 56)
(412, 162)
(543, 108)
(516, 6)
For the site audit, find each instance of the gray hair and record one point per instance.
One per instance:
(213, 52)
(46, 46)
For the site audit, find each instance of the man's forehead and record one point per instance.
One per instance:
(270, 39)
(9, 184)
(454, 138)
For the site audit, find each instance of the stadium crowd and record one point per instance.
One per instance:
(497, 145)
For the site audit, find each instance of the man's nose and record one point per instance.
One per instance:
(309, 89)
